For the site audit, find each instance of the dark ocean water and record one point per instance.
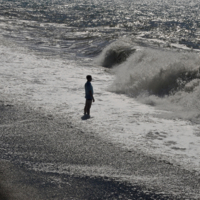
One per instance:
(86, 27)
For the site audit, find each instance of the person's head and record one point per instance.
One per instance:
(89, 77)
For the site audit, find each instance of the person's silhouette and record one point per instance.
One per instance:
(88, 95)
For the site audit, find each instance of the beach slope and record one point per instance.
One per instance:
(46, 157)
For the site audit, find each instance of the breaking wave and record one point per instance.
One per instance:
(161, 78)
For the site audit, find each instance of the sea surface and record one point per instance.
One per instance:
(151, 46)
(143, 56)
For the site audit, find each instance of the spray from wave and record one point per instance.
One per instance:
(169, 80)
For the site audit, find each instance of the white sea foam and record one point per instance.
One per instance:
(56, 86)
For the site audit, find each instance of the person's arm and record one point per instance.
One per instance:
(92, 96)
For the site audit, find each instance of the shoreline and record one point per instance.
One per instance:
(51, 153)
(56, 86)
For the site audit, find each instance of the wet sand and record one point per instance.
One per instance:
(46, 157)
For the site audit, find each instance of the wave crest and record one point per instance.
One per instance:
(156, 72)
(115, 54)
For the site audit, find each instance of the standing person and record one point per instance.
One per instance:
(88, 95)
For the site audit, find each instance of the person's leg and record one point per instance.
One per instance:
(88, 106)
(85, 108)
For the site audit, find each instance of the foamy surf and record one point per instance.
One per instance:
(56, 86)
